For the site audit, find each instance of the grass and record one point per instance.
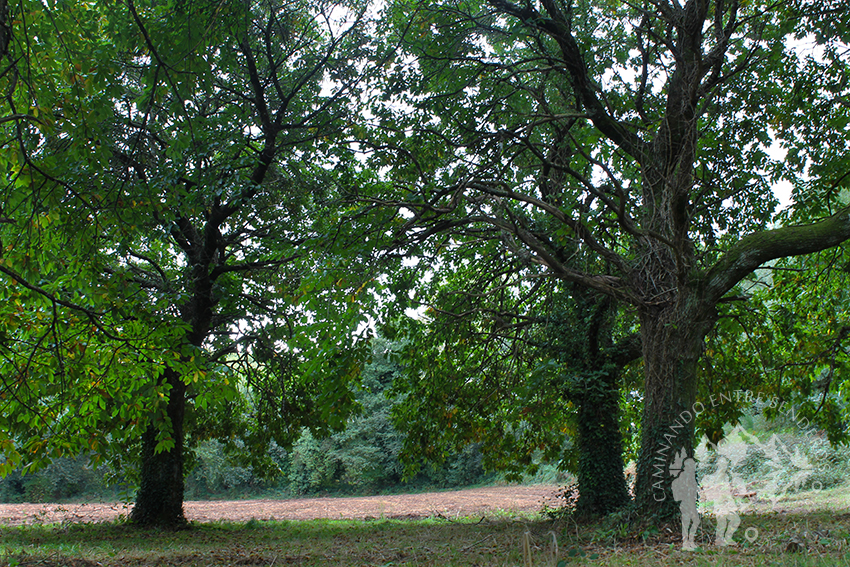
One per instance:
(318, 542)
(800, 539)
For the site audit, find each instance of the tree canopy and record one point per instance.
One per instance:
(637, 133)
(169, 228)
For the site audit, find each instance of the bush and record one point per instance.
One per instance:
(364, 458)
(12, 488)
(313, 465)
(64, 479)
(462, 469)
(829, 465)
(214, 474)
(787, 462)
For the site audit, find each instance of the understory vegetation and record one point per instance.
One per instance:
(361, 459)
(364, 459)
(314, 466)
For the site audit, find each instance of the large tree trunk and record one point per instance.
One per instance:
(673, 341)
(159, 500)
(601, 478)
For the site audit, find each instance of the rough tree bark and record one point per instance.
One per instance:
(672, 345)
(674, 335)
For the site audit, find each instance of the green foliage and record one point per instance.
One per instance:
(188, 231)
(363, 458)
(811, 464)
(785, 343)
(471, 372)
(622, 148)
(64, 479)
(366, 456)
(214, 474)
(169, 188)
(525, 367)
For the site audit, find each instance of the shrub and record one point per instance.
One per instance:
(64, 479)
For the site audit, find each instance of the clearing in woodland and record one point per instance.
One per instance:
(815, 534)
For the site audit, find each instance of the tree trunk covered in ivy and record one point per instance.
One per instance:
(159, 500)
(600, 474)
(594, 363)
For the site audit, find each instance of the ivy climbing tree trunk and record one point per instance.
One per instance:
(600, 475)
(594, 363)
(159, 500)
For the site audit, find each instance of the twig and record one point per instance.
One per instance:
(479, 542)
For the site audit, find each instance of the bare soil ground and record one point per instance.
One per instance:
(471, 502)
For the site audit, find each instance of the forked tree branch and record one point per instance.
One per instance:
(556, 25)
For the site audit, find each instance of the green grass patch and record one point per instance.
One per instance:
(316, 542)
(811, 539)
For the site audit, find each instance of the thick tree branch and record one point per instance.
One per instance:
(754, 250)
(251, 266)
(19, 116)
(579, 228)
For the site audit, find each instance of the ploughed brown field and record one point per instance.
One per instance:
(469, 502)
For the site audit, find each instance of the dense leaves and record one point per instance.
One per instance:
(194, 196)
(166, 238)
(637, 134)
(363, 459)
(786, 342)
(525, 366)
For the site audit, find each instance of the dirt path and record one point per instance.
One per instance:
(470, 502)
